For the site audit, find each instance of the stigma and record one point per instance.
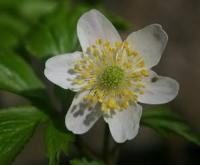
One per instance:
(111, 77)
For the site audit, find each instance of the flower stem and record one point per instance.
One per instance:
(106, 147)
(85, 150)
(115, 153)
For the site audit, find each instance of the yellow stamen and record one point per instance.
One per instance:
(113, 73)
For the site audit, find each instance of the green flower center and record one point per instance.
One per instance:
(111, 77)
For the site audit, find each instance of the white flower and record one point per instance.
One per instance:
(111, 76)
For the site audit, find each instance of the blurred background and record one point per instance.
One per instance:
(181, 60)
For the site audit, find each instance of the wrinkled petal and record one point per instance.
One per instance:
(159, 89)
(58, 70)
(124, 125)
(150, 42)
(80, 118)
(92, 26)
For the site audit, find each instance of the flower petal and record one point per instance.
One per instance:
(80, 118)
(92, 26)
(159, 89)
(124, 125)
(150, 42)
(58, 70)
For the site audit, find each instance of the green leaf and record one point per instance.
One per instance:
(17, 17)
(56, 141)
(84, 162)
(164, 121)
(14, 23)
(32, 10)
(17, 125)
(28, 9)
(12, 30)
(18, 77)
(57, 33)
(8, 39)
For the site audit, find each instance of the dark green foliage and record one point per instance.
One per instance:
(165, 122)
(56, 141)
(84, 162)
(17, 125)
(18, 77)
